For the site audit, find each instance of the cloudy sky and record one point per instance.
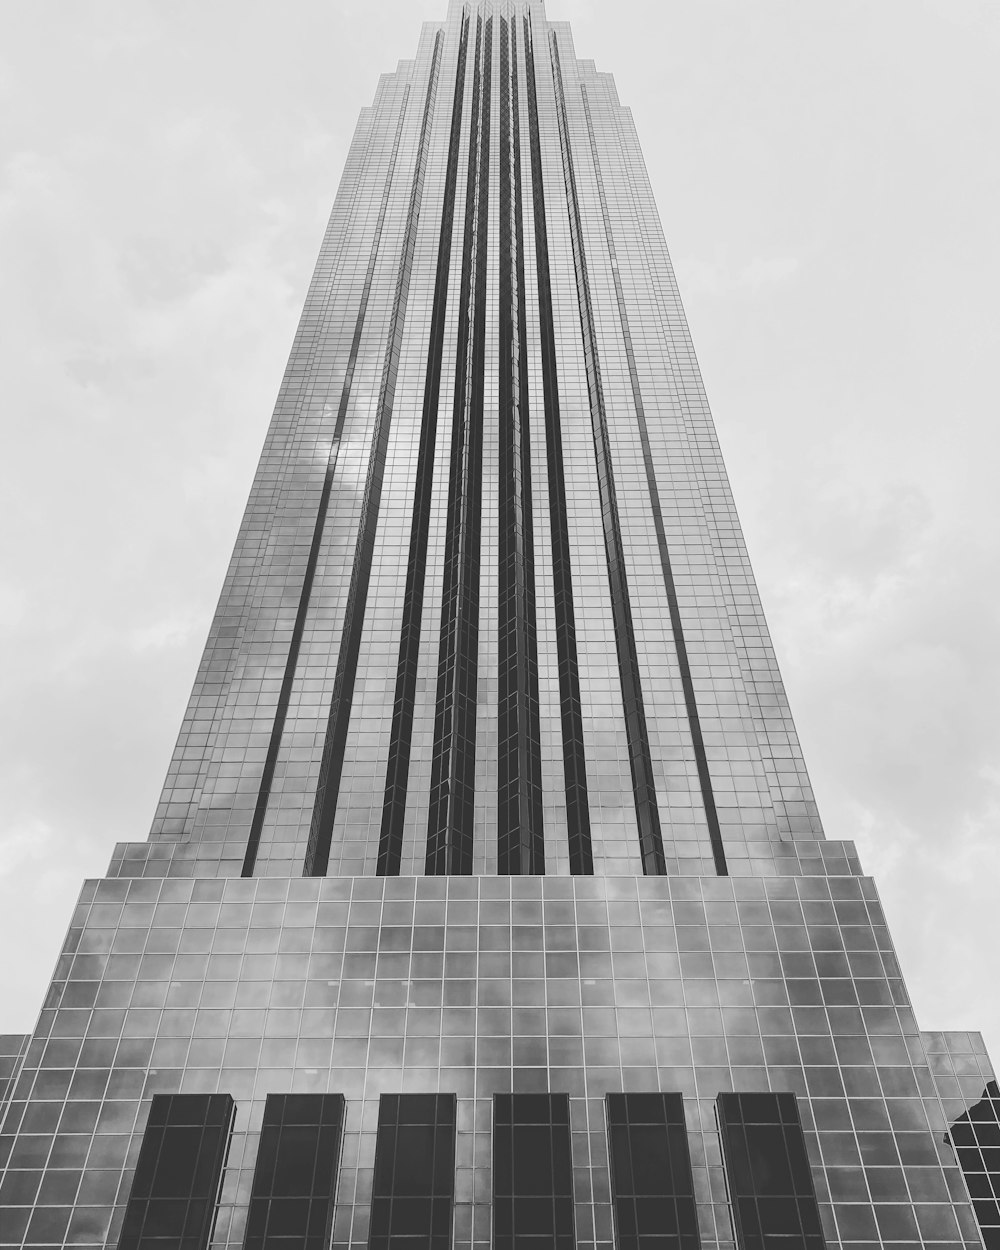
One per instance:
(827, 174)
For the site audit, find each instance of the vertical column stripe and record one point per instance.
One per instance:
(581, 860)
(690, 702)
(309, 577)
(520, 840)
(451, 812)
(640, 762)
(332, 763)
(397, 771)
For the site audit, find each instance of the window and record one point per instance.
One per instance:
(414, 1187)
(532, 1172)
(976, 1139)
(295, 1179)
(651, 1183)
(175, 1190)
(770, 1182)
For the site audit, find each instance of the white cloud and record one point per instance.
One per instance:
(172, 631)
(978, 17)
(722, 277)
(24, 845)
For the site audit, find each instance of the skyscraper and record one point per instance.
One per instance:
(487, 900)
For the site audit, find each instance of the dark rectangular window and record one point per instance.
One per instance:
(175, 1190)
(770, 1182)
(976, 1139)
(532, 1172)
(295, 1179)
(414, 1186)
(651, 1182)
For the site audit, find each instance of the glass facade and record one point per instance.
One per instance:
(487, 901)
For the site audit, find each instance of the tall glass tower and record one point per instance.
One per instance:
(487, 902)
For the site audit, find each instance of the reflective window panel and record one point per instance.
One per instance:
(532, 1172)
(295, 1179)
(175, 1190)
(767, 1169)
(651, 1182)
(976, 1138)
(414, 1187)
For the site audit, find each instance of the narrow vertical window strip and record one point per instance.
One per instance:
(768, 1173)
(520, 840)
(532, 1172)
(309, 577)
(581, 860)
(413, 1186)
(331, 766)
(397, 771)
(451, 810)
(640, 761)
(177, 1183)
(677, 628)
(652, 1185)
(295, 1176)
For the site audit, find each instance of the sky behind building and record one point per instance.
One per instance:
(827, 180)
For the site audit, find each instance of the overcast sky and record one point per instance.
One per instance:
(827, 175)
